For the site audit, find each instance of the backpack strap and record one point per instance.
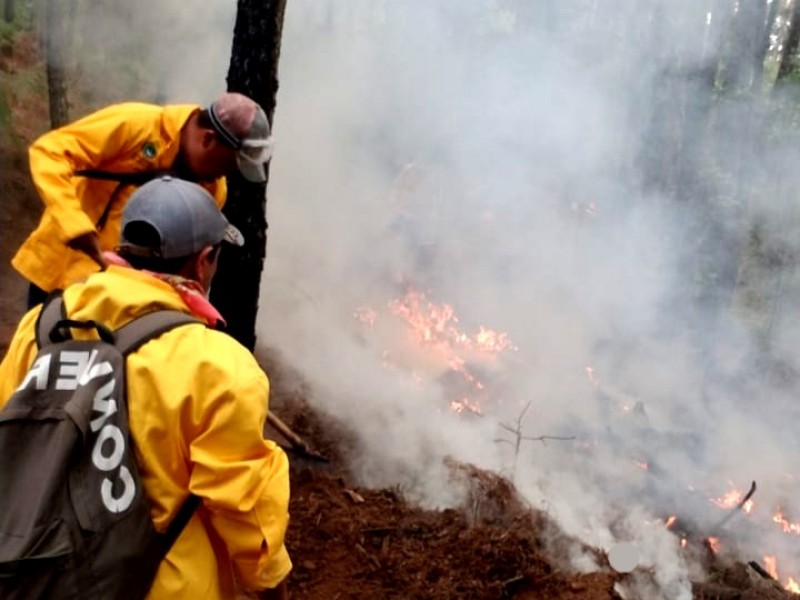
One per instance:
(138, 179)
(141, 330)
(52, 312)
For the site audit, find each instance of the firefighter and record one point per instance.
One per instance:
(85, 172)
(197, 399)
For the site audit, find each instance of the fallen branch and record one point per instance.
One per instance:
(760, 570)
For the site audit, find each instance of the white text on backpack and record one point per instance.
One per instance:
(78, 368)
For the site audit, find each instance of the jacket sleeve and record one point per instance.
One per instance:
(242, 478)
(220, 191)
(91, 142)
(19, 356)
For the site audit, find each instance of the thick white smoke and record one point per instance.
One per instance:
(489, 154)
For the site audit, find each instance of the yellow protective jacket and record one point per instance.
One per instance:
(197, 403)
(123, 138)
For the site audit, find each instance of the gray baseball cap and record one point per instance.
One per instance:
(244, 126)
(172, 218)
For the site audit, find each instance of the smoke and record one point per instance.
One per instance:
(520, 164)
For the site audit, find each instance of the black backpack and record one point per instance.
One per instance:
(74, 518)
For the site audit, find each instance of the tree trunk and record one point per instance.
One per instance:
(254, 72)
(57, 21)
(745, 62)
(791, 45)
(9, 10)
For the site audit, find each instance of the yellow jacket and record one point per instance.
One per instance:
(122, 138)
(197, 404)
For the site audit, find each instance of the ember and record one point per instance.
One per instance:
(713, 543)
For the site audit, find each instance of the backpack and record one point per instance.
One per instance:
(74, 518)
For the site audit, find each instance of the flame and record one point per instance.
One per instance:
(684, 541)
(731, 499)
(436, 324)
(465, 405)
(489, 340)
(642, 465)
(792, 586)
(436, 328)
(771, 565)
(788, 526)
(713, 543)
(671, 521)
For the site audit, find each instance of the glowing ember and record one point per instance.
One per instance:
(792, 586)
(788, 526)
(465, 405)
(771, 566)
(713, 543)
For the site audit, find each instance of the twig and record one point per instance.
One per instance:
(543, 438)
(519, 438)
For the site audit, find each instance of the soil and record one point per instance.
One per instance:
(348, 542)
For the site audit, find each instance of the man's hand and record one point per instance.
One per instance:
(89, 244)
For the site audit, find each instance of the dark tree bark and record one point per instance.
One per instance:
(9, 10)
(58, 17)
(254, 72)
(791, 46)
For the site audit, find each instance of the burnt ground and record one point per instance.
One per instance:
(349, 542)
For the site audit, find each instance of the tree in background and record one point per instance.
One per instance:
(58, 18)
(253, 72)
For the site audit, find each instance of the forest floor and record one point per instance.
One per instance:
(346, 541)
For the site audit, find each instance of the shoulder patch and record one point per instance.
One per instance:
(149, 150)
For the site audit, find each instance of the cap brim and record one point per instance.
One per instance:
(233, 236)
(250, 170)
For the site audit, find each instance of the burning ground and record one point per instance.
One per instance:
(355, 542)
(492, 543)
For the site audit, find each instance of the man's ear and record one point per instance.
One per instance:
(205, 266)
(208, 138)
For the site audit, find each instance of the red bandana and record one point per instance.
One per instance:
(191, 292)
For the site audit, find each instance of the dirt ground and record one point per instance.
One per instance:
(348, 542)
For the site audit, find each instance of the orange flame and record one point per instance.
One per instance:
(731, 499)
(432, 323)
(713, 543)
(436, 327)
(792, 586)
(671, 521)
(465, 405)
(771, 565)
(788, 526)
